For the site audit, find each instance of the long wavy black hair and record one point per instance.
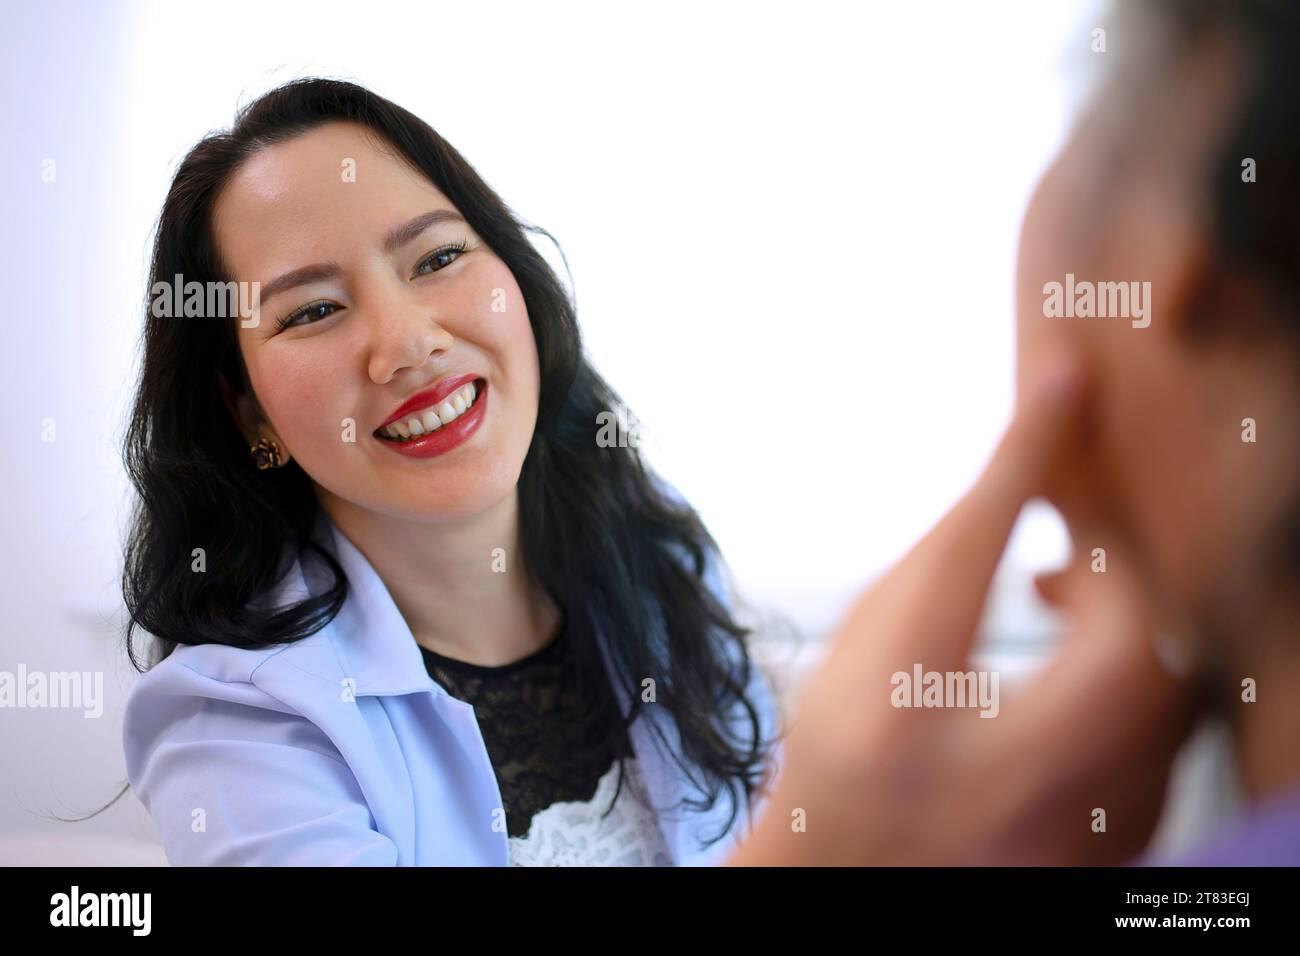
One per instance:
(599, 533)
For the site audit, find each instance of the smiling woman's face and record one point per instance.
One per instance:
(393, 313)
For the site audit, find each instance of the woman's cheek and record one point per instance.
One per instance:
(298, 400)
(503, 327)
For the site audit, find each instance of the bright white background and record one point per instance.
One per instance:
(792, 232)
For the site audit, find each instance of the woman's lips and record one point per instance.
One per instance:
(448, 437)
(429, 413)
(432, 396)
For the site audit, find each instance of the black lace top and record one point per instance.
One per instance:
(547, 735)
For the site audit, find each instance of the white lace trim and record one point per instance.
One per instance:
(575, 832)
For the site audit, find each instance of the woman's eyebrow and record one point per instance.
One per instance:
(312, 273)
(392, 242)
(405, 233)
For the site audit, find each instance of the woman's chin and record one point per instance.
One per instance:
(450, 497)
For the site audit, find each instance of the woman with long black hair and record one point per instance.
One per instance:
(413, 606)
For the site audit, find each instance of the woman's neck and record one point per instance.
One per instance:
(1261, 699)
(461, 585)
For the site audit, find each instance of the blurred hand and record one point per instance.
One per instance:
(1096, 730)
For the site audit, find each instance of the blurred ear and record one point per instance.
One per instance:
(1226, 309)
(1197, 107)
(1188, 280)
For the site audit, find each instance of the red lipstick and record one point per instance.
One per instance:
(432, 396)
(450, 436)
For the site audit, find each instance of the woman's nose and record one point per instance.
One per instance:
(404, 332)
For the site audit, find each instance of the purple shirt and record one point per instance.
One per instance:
(1267, 834)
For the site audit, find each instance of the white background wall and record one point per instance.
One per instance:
(792, 232)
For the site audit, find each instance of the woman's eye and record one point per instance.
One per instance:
(434, 262)
(440, 258)
(315, 311)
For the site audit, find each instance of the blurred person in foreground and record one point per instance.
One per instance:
(1170, 439)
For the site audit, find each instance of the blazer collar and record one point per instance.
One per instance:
(374, 643)
(376, 649)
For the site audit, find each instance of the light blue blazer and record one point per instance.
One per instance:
(339, 749)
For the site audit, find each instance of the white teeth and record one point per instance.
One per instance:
(431, 419)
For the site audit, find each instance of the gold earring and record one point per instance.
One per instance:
(267, 454)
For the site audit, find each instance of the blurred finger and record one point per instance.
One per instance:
(1051, 585)
(1107, 688)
